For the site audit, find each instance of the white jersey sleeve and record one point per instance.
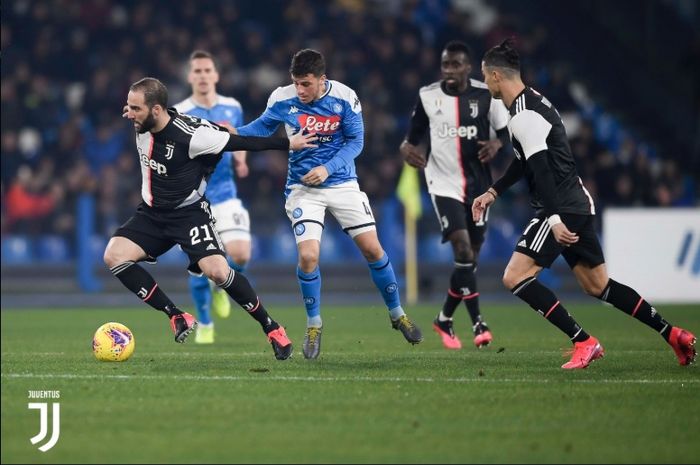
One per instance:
(531, 130)
(207, 140)
(498, 114)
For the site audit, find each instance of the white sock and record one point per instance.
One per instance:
(396, 313)
(314, 321)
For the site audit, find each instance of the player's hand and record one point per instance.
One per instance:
(241, 168)
(480, 205)
(316, 176)
(412, 155)
(125, 111)
(228, 127)
(301, 141)
(488, 150)
(563, 236)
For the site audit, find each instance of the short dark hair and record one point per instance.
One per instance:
(503, 55)
(457, 46)
(154, 91)
(203, 54)
(308, 61)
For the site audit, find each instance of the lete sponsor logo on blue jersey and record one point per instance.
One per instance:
(336, 118)
(221, 185)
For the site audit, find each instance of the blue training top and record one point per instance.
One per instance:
(221, 185)
(336, 118)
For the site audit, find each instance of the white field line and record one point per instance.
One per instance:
(342, 379)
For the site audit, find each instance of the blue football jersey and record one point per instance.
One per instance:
(336, 118)
(221, 185)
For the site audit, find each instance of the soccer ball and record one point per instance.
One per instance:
(113, 342)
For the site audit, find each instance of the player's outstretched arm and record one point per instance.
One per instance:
(254, 143)
(511, 176)
(207, 140)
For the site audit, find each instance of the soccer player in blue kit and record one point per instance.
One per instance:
(324, 178)
(232, 219)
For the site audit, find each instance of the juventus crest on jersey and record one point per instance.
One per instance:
(456, 123)
(176, 161)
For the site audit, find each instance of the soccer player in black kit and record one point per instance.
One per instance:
(459, 112)
(177, 155)
(563, 223)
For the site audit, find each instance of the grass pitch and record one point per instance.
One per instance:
(369, 398)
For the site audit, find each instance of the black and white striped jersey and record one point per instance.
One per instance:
(177, 161)
(535, 126)
(456, 123)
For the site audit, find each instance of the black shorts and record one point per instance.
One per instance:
(157, 230)
(537, 241)
(455, 215)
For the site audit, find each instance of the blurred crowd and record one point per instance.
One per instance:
(67, 66)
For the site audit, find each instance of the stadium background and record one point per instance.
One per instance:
(623, 74)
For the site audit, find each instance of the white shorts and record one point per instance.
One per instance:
(306, 208)
(232, 220)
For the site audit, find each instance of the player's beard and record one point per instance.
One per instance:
(148, 124)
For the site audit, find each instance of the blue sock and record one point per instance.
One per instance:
(384, 278)
(310, 284)
(201, 294)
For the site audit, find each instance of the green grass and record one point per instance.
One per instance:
(370, 398)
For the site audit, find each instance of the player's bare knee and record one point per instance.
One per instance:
(593, 289)
(216, 268)
(113, 257)
(511, 279)
(373, 254)
(372, 250)
(107, 258)
(218, 274)
(308, 260)
(507, 281)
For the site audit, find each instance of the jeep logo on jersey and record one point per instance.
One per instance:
(154, 165)
(319, 124)
(462, 131)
